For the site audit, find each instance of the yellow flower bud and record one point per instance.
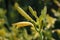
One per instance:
(22, 24)
(50, 20)
(22, 12)
(57, 3)
(56, 13)
(56, 30)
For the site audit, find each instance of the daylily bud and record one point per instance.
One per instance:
(22, 12)
(22, 24)
(50, 21)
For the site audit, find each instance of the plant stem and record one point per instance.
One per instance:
(39, 31)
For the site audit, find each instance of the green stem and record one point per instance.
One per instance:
(39, 31)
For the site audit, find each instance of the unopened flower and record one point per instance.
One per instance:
(56, 13)
(22, 12)
(56, 30)
(56, 2)
(22, 24)
(50, 20)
